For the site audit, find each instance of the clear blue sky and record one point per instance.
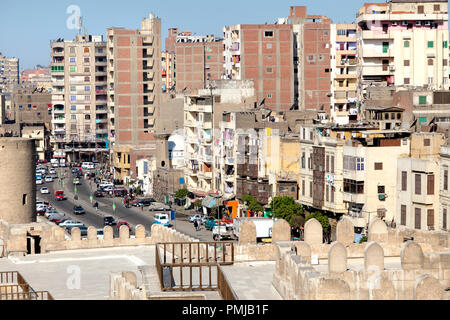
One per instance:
(27, 26)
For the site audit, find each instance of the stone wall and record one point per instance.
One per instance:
(123, 286)
(412, 275)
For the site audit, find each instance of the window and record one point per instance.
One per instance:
(381, 189)
(430, 217)
(327, 164)
(430, 184)
(406, 63)
(303, 187)
(406, 81)
(310, 189)
(446, 179)
(269, 70)
(419, 9)
(87, 88)
(268, 46)
(87, 98)
(406, 44)
(332, 194)
(303, 160)
(87, 69)
(268, 34)
(385, 47)
(73, 69)
(403, 215)
(86, 50)
(24, 199)
(352, 186)
(73, 108)
(437, 7)
(417, 217)
(311, 58)
(445, 62)
(417, 183)
(430, 62)
(73, 98)
(73, 117)
(359, 164)
(445, 44)
(332, 164)
(378, 165)
(72, 59)
(327, 193)
(73, 88)
(404, 181)
(430, 44)
(444, 219)
(269, 96)
(430, 80)
(422, 99)
(426, 142)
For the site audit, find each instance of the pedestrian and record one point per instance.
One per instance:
(96, 206)
(196, 225)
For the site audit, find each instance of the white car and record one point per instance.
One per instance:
(52, 171)
(48, 213)
(44, 190)
(48, 179)
(70, 224)
(100, 234)
(39, 181)
(55, 165)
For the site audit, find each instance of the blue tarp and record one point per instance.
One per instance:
(209, 202)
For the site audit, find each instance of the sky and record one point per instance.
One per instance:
(28, 26)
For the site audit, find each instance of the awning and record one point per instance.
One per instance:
(209, 202)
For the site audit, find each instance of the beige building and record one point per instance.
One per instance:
(444, 193)
(80, 115)
(167, 71)
(9, 73)
(344, 73)
(404, 43)
(39, 134)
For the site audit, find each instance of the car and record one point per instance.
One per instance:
(158, 207)
(55, 165)
(41, 209)
(70, 224)
(100, 234)
(60, 196)
(203, 219)
(44, 190)
(123, 223)
(98, 194)
(56, 217)
(39, 181)
(78, 210)
(48, 179)
(195, 217)
(162, 219)
(52, 171)
(104, 185)
(109, 221)
(107, 189)
(83, 230)
(76, 181)
(210, 223)
(49, 213)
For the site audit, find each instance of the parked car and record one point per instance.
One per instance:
(158, 207)
(52, 171)
(70, 224)
(48, 179)
(56, 217)
(83, 230)
(98, 194)
(109, 221)
(39, 181)
(78, 210)
(203, 219)
(195, 217)
(44, 190)
(123, 223)
(210, 223)
(100, 234)
(59, 195)
(41, 209)
(162, 219)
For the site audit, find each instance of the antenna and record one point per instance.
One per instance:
(80, 24)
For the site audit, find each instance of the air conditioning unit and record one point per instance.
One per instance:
(418, 23)
(404, 23)
(427, 23)
(391, 68)
(394, 23)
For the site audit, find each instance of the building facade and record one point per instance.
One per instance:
(9, 73)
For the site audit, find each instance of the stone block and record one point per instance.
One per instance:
(75, 234)
(140, 231)
(428, 288)
(303, 250)
(373, 257)
(247, 232)
(92, 233)
(411, 256)
(124, 233)
(378, 231)
(108, 233)
(281, 231)
(337, 258)
(313, 232)
(345, 231)
(333, 289)
(380, 288)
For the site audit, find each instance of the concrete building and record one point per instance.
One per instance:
(31, 106)
(415, 32)
(312, 70)
(9, 73)
(134, 92)
(39, 77)
(444, 193)
(167, 71)
(418, 182)
(79, 115)
(344, 73)
(262, 53)
(199, 59)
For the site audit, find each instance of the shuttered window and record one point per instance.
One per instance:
(444, 219)
(430, 184)
(417, 217)
(332, 194)
(327, 164)
(310, 189)
(378, 165)
(417, 186)
(430, 218)
(404, 181)
(332, 164)
(327, 193)
(403, 215)
(303, 188)
(445, 180)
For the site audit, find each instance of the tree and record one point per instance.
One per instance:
(363, 239)
(182, 193)
(252, 203)
(286, 208)
(197, 203)
(321, 218)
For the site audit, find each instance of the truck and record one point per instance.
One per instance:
(263, 227)
(222, 233)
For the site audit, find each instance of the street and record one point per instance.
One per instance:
(134, 216)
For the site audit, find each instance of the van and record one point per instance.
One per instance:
(162, 219)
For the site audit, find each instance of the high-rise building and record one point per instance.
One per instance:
(167, 71)
(311, 59)
(172, 39)
(134, 92)
(262, 53)
(79, 115)
(344, 73)
(9, 73)
(404, 43)
(199, 59)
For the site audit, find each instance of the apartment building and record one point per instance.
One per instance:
(444, 193)
(321, 178)
(30, 107)
(418, 182)
(9, 73)
(403, 43)
(344, 73)
(312, 51)
(172, 39)
(39, 77)
(370, 174)
(79, 115)
(262, 53)
(199, 59)
(134, 93)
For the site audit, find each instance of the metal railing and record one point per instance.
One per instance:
(14, 287)
(188, 257)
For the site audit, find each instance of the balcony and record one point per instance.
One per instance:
(59, 120)
(147, 40)
(205, 175)
(376, 53)
(369, 34)
(354, 198)
(346, 76)
(101, 110)
(378, 70)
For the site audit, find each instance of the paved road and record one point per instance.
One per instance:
(133, 216)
